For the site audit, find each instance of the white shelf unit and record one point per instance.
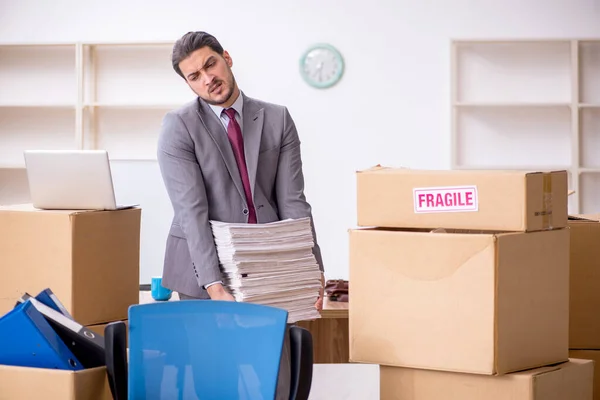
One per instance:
(109, 96)
(529, 105)
(127, 89)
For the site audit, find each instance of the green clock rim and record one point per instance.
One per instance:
(335, 79)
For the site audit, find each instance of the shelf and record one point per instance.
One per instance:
(512, 105)
(513, 72)
(590, 193)
(589, 70)
(33, 105)
(516, 167)
(533, 103)
(127, 134)
(38, 75)
(34, 129)
(90, 95)
(125, 74)
(512, 137)
(589, 140)
(140, 106)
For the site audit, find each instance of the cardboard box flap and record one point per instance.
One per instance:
(404, 170)
(454, 231)
(585, 217)
(541, 371)
(31, 208)
(434, 265)
(18, 208)
(379, 167)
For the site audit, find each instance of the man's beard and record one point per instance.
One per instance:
(228, 94)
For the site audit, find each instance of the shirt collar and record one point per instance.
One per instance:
(238, 106)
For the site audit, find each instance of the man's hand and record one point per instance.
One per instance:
(319, 303)
(218, 292)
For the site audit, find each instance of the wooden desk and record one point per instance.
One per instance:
(330, 333)
(334, 309)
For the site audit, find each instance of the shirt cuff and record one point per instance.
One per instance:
(212, 283)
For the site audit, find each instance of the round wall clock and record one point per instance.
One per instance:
(322, 66)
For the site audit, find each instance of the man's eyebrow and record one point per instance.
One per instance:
(192, 74)
(208, 60)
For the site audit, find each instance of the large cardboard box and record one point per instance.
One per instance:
(89, 259)
(584, 331)
(18, 383)
(567, 381)
(466, 302)
(593, 355)
(494, 200)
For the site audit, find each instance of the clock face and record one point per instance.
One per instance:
(322, 66)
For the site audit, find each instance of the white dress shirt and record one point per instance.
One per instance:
(238, 106)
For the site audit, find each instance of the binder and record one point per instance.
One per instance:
(86, 345)
(28, 340)
(47, 297)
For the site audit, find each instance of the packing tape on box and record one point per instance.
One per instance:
(547, 201)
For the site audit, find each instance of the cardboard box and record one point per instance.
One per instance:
(584, 330)
(568, 381)
(593, 355)
(493, 200)
(465, 302)
(51, 384)
(89, 259)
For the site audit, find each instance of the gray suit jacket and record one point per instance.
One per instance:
(203, 183)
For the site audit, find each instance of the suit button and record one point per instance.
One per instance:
(246, 211)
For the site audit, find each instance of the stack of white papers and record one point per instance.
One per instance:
(270, 264)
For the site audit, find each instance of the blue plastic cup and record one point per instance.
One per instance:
(159, 292)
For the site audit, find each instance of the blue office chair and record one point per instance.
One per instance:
(203, 350)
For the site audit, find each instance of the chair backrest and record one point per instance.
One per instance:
(115, 345)
(301, 349)
(200, 349)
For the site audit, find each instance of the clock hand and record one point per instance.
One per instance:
(319, 71)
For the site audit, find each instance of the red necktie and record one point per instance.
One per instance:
(234, 132)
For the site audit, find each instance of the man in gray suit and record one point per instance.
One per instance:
(224, 157)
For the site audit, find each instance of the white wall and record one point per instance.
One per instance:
(392, 106)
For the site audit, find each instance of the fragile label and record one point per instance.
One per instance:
(445, 199)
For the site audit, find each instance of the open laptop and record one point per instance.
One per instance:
(71, 180)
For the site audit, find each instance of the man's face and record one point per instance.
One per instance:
(209, 75)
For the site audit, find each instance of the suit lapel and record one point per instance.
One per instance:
(219, 135)
(252, 131)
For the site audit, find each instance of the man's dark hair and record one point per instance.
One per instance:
(191, 42)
